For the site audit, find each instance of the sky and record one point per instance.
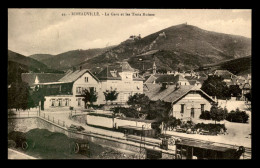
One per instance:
(54, 31)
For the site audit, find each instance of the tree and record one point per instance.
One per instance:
(158, 110)
(205, 115)
(139, 101)
(217, 113)
(237, 116)
(162, 70)
(18, 96)
(110, 95)
(127, 112)
(215, 86)
(235, 91)
(37, 96)
(248, 96)
(89, 96)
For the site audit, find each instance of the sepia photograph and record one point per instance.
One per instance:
(129, 84)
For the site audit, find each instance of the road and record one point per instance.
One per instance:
(64, 116)
(13, 154)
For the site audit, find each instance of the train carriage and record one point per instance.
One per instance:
(199, 150)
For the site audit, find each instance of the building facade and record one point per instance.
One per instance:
(67, 92)
(187, 101)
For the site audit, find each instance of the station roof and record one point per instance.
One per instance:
(202, 145)
(41, 77)
(134, 127)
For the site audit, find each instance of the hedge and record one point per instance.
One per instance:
(237, 116)
(205, 115)
(210, 127)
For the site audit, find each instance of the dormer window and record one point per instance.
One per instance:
(113, 73)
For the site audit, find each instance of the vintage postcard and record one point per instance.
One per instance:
(129, 83)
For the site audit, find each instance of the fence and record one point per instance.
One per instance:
(53, 120)
(22, 114)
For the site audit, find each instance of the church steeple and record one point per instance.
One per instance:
(154, 68)
(36, 80)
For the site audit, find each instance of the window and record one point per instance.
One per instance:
(78, 90)
(66, 102)
(86, 79)
(182, 108)
(192, 112)
(202, 107)
(92, 89)
(79, 102)
(60, 102)
(53, 102)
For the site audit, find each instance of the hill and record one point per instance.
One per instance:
(238, 66)
(182, 46)
(68, 59)
(26, 61)
(18, 64)
(40, 57)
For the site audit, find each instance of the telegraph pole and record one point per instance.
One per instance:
(142, 144)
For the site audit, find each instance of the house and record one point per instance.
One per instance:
(122, 77)
(67, 91)
(187, 101)
(33, 79)
(195, 80)
(170, 79)
(225, 74)
(245, 90)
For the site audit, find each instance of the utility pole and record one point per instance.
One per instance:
(39, 108)
(142, 152)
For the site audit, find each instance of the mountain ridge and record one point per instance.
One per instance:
(181, 43)
(180, 46)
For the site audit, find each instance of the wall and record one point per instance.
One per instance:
(81, 83)
(190, 100)
(121, 122)
(22, 124)
(48, 102)
(125, 89)
(99, 121)
(111, 123)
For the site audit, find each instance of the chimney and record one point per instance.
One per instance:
(73, 69)
(164, 85)
(80, 68)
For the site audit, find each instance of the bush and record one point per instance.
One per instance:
(128, 112)
(11, 113)
(173, 122)
(211, 127)
(205, 115)
(97, 106)
(237, 116)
